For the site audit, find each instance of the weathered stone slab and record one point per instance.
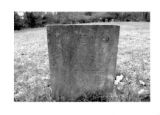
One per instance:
(82, 58)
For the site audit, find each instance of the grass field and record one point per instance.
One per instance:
(31, 66)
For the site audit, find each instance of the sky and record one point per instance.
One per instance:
(20, 13)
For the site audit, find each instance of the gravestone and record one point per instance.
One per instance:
(82, 58)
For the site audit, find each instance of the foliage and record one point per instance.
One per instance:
(40, 19)
(33, 19)
(18, 23)
(88, 13)
(49, 18)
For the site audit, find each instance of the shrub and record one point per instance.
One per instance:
(18, 22)
(33, 19)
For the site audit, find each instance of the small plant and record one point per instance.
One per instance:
(96, 96)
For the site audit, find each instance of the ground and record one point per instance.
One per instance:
(31, 65)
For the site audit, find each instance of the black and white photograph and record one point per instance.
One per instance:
(82, 56)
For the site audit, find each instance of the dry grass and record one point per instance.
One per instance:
(31, 66)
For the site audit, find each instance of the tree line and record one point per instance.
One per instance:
(40, 19)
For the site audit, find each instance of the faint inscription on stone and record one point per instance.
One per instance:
(82, 58)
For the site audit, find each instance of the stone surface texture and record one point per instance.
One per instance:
(82, 58)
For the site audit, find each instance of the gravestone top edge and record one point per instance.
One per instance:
(53, 25)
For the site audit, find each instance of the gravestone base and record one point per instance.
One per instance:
(82, 59)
